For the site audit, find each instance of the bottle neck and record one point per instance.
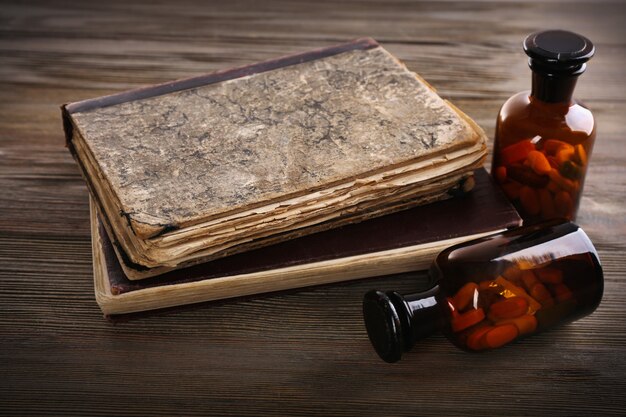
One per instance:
(551, 89)
(395, 322)
(420, 314)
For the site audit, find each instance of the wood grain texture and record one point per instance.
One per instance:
(303, 352)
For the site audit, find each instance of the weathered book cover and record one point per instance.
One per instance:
(399, 242)
(206, 167)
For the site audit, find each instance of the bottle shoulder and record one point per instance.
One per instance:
(531, 116)
(517, 101)
(580, 118)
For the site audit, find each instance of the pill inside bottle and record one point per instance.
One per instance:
(493, 291)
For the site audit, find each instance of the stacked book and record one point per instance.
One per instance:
(192, 172)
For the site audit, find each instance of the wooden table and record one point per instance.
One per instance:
(304, 352)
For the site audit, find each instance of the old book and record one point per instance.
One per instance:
(399, 242)
(197, 169)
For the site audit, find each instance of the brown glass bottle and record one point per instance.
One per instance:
(492, 291)
(544, 137)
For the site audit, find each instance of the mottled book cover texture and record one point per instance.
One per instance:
(286, 137)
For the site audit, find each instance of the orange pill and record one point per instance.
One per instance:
(513, 274)
(547, 204)
(465, 296)
(500, 336)
(488, 297)
(516, 152)
(551, 146)
(540, 293)
(562, 182)
(549, 275)
(500, 174)
(487, 284)
(564, 154)
(570, 170)
(553, 187)
(467, 319)
(580, 155)
(525, 324)
(538, 162)
(526, 176)
(530, 200)
(562, 292)
(529, 279)
(475, 339)
(553, 162)
(533, 304)
(508, 308)
(563, 204)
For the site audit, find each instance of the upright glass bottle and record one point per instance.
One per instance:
(492, 291)
(544, 137)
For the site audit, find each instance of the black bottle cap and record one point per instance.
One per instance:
(558, 52)
(383, 326)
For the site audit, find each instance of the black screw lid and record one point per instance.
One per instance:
(383, 326)
(558, 51)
